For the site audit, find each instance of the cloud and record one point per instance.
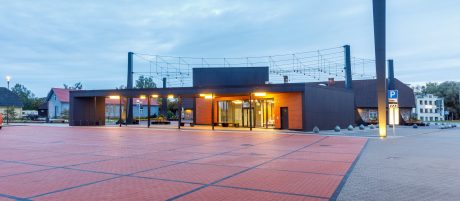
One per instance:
(47, 43)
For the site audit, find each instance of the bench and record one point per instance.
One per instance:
(227, 124)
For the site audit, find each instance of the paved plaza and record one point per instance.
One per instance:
(111, 163)
(133, 163)
(420, 164)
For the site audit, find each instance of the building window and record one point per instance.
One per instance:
(431, 118)
(431, 110)
(426, 102)
(421, 110)
(436, 118)
(421, 102)
(372, 115)
(431, 102)
(426, 110)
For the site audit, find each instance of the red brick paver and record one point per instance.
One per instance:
(123, 189)
(123, 165)
(32, 184)
(325, 167)
(287, 182)
(233, 160)
(16, 168)
(104, 163)
(231, 194)
(200, 173)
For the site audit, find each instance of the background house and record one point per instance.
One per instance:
(366, 100)
(429, 108)
(10, 100)
(58, 103)
(43, 110)
(58, 106)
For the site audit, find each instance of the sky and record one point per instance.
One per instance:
(47, 43)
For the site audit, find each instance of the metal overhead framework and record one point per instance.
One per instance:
(298, 67)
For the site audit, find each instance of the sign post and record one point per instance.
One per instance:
(393, 109)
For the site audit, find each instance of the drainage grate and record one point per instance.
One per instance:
(247, 145)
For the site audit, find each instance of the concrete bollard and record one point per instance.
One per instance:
(337, 128)
(372, 126)
(361, 127)
(350, 127)
(414, 126)
(316, 129)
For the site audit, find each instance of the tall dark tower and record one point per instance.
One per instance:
(391, 75)
(348, 78)
(129, 85)
(380, 60)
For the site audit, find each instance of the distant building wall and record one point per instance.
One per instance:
(17, 112)
(429, 108)
(56, 108)
(293, 101)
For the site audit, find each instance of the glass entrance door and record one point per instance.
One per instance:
(238, 112)
(246, 118)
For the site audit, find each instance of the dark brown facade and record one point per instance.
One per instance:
(308, 106)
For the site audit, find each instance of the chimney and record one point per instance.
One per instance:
(330, 82)
(391, 75)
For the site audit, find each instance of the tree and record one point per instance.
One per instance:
(121, 87)
(10, 113)
(76, 86)
(173, 106)
(65, 114)
(145, 82)
(448, 90)
(28, 99)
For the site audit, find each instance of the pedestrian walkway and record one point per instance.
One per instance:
(112, 163)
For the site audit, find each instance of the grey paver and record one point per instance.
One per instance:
(421, 166)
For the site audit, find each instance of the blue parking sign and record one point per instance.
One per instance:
(393, 95)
